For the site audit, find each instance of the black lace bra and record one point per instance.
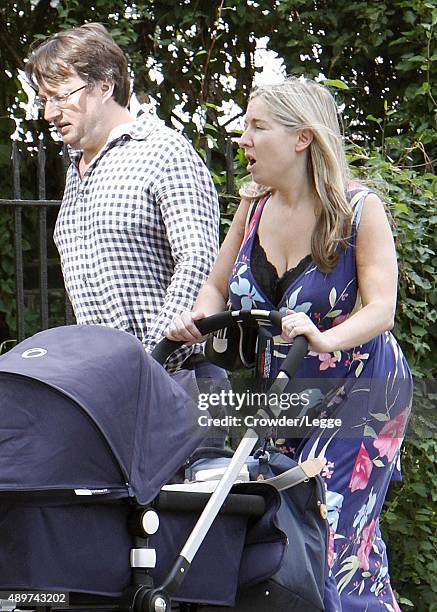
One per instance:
(266, 275)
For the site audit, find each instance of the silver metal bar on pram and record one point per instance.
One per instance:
(211, 510)
(216, 500)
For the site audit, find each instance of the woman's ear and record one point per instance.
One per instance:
(304, 139)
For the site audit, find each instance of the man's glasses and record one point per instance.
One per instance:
(60, 100)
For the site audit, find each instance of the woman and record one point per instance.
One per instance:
(320, 246)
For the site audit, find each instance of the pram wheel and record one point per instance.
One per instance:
(152, 601)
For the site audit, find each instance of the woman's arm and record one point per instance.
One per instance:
(377, 283)
(214, 293)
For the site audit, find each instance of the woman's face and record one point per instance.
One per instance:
(269, 147)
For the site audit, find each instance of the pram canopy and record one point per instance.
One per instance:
(85, 410)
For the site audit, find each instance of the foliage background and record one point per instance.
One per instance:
(380, 58)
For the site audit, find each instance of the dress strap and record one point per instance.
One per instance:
(357, 203)
(252, 216)
(250, 213)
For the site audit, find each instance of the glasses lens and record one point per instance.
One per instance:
(59, 100)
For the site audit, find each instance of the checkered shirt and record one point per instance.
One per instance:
(139, 233)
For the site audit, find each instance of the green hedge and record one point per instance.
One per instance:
(409, 521)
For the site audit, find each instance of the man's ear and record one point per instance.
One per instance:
(107, 89)
(304, 139)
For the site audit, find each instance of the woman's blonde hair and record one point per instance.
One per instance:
(300, 103)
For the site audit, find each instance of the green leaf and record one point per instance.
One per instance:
(405, 602)
(332, 296)
(424, 283)
(334, 313)
(401, 207)
(358, 370)
(336, 83)
(420, 489)
(419, 331)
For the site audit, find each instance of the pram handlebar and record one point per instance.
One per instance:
(208, 325)
(230, 318)
(297, 352)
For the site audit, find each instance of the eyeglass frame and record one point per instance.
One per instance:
(58, 100)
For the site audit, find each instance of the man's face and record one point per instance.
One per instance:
(73, 108)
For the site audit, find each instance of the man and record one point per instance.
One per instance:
(137, 231)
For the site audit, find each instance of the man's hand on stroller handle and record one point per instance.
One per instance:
(183, 328)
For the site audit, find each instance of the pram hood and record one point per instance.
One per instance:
(86, 409)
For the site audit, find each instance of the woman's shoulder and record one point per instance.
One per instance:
(361, 196)
(355, 189)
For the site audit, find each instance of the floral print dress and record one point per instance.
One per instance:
(372, 396)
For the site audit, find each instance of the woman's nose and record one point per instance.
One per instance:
(244, 140)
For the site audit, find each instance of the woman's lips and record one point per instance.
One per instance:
(251, 164)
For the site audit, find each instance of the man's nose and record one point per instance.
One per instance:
(51, 111)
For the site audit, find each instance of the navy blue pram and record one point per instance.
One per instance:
(87, 419)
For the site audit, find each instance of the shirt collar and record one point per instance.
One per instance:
(139, 129)
(143, 126)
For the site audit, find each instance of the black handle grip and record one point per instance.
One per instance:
(297, 352)
(276, 317)
(208, 325)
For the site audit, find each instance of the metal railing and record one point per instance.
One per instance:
(18, 205)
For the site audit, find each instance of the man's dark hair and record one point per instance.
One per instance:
(89, 50)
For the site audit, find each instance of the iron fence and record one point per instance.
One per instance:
(17, 206)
